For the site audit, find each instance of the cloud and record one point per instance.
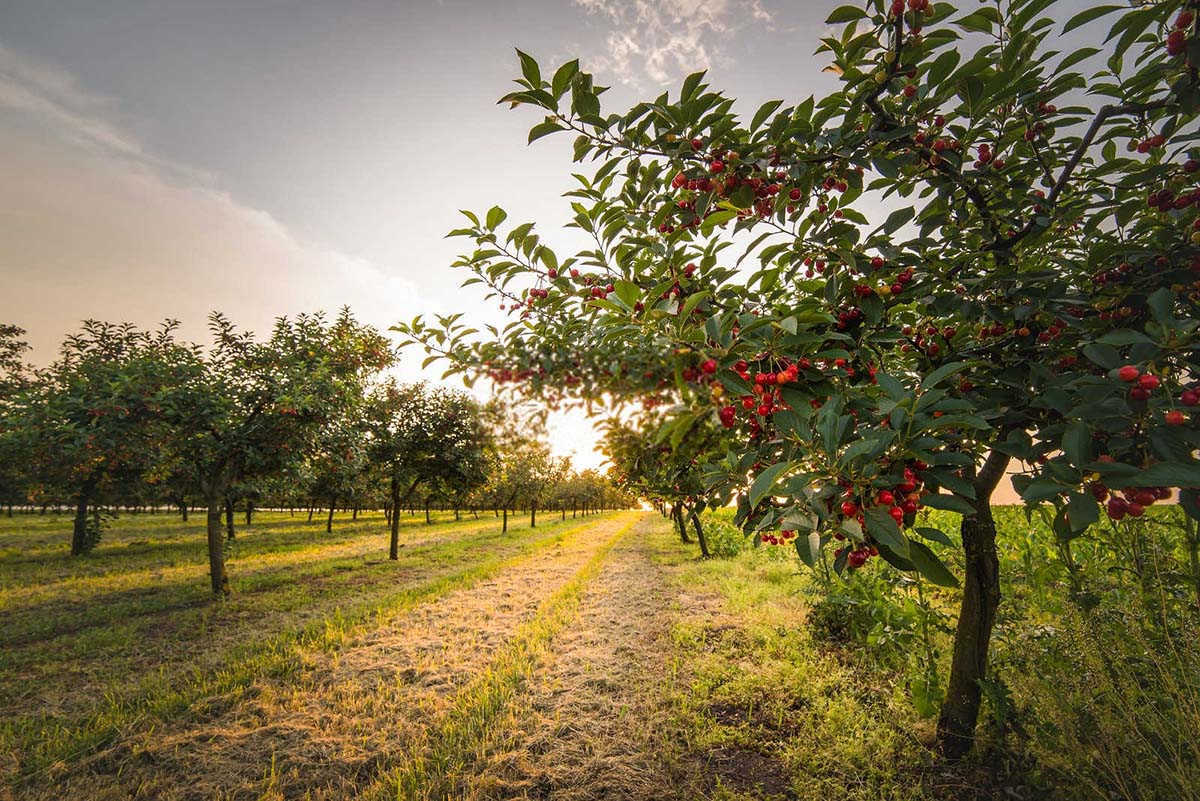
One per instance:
(93, 225)
(663, 40)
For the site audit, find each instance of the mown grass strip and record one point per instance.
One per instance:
(429, 770)
(123, 604)
(276, 656)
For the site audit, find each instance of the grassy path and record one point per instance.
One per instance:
(231, 645)
(349, 703)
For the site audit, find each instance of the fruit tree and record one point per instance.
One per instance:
(978, 248)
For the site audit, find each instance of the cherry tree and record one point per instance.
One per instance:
(978, 248)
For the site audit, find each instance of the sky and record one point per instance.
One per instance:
(167, 158)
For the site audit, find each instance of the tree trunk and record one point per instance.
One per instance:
(394, 548)
(79, 536)
(700, 534)
(677, 516)
(456, 515)
(229, 518)
(427, 520)
(504, 525)
(216, 553)
(354, 513)
(311, 509)
(183, 511)
(249, 511)
(329, 520)
(533, 515)
(976, 617)
(564, 513)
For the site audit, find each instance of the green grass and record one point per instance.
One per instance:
(147, 654)
(465, 729)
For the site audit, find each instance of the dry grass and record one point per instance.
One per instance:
(327, 727)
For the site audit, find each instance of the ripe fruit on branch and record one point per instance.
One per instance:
(1175, 418)
(1128, 373)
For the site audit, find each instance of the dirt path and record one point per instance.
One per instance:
(590, 724)
(328, 728)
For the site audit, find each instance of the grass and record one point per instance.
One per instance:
(455, 740)
(155, 656)
(761, 683)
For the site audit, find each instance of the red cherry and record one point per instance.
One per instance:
(1135, 509)
(1176, 43)
(1175, 418)
(1116, 508)
(897, 514)
(697, 144)
(1189, 397)
(1128, 373)
(1148, 381)
(709, 366)
(716, 166)
(886, 498)
(849, 508)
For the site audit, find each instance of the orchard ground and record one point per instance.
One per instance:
(593, 657)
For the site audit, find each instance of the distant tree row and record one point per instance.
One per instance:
(302, 419)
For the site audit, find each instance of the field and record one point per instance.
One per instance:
(593, 657)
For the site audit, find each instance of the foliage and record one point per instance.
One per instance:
(1023, 289)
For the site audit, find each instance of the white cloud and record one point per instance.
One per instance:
(662, 40)
(92, 225)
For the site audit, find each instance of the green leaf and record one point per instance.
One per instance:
(941, 373)
(808, 548)
(1124, 336)
(884, 530)
(690, 84)
(764, 111)
(951, 503)
(845, 14)
(715, 219)
(1089, 14)
(544, 129)
(766, 482)
(891, 386)
(928, 565)
(934, 535)
(529, 68)
(979, 21)
(495, 216)
(1082, 510)
(898, 218)
(563, 76)
(1077, 443)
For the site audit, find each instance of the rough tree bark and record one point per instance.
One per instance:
(700, 534)
(976, 616)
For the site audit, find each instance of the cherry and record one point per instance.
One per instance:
(1176, 43)
(716, 166)
(886, 498)
(1116, 508)
(1128, 373)
(709, 366)
(897, 514)
(849, 508)
(1175, 418)
(728, 415)
(1189, 397)
(857, 559)
(1148, 381)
